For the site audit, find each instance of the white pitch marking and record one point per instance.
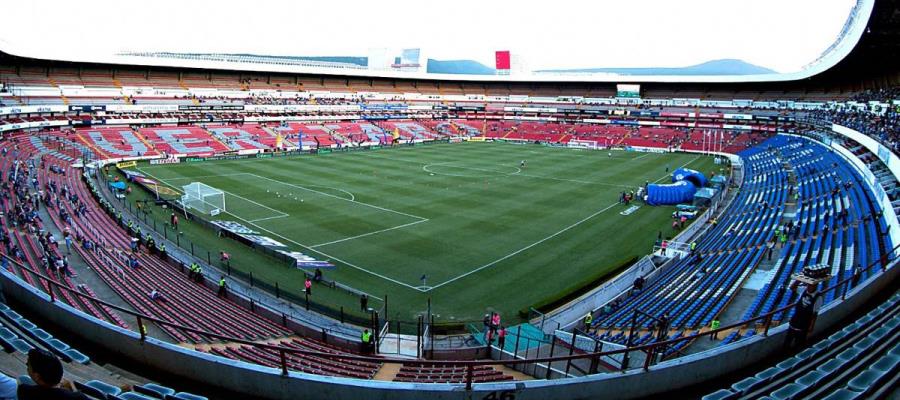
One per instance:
(351, 265)
(368, 234)
(341, 198)
(526, 247)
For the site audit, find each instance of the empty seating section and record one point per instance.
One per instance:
(18, 334)
(116, 142)
(533, 131)
(311, 134)
(861, 361)
(357, 132)
(188, 140)
(303, 363)
(697, 288)
(452, 374)
(243, 136)
(837, 223)
(409, 130)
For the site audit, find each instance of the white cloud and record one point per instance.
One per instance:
(782, 35)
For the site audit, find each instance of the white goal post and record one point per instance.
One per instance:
(203, 198)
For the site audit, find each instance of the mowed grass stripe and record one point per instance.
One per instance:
(472, 220)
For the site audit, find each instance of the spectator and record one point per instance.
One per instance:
(157, 296)
(308, 285)
(364, 302)
(805, 312)
(501, 337)
(714, 325)
(46, 371)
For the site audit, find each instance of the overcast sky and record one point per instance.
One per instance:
(783, 35)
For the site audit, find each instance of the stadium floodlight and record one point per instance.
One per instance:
(203, 198)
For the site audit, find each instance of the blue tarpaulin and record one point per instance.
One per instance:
(673, 193)
(690, 175)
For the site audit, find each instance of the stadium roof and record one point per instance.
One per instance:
(853, 30)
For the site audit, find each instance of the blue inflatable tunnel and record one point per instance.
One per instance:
(690, 175)
(673, 193)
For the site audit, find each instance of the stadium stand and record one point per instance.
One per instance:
(833, 213)
(858, 361)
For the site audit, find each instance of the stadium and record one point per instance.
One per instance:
(231, 226)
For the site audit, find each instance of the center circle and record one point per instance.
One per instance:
(463, 171)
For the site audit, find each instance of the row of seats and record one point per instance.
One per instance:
(827, 187)
(187, 303)
(860, 361)
(436, 374)
(697, 288)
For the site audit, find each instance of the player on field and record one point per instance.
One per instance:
(522, 164)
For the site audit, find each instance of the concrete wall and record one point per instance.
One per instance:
(256, 381)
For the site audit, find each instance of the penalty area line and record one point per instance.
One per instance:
(510, 255)
(351, 265)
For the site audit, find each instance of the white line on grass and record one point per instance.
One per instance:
(341, 198)
(524, 248)
(574, 181)
(202, 176)
(351, 265)
(682, 166)
(498, 173)
(640, 157)
(268, 218)
(369, 234)
(281, 214)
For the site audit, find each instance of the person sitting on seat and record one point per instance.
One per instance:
(46, 371)
(157, 296)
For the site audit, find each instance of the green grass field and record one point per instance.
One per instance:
(486, 233)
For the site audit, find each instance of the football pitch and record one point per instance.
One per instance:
(483, 230)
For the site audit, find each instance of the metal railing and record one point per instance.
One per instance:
(841, 287)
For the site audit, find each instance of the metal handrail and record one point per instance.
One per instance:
(469, 364)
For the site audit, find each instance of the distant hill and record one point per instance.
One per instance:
(714, 67)
(465, 67)
(362, 61)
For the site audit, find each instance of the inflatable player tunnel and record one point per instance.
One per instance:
(690, 175)
(673, 193)
(685, 184)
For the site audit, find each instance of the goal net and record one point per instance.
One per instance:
(203, 198)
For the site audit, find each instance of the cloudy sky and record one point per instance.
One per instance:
(783, 35)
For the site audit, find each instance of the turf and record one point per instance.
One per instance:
(486, 233)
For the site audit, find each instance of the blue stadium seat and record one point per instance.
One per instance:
(769, 373)
(866, 380)
(788, 392)
(132, 396)
(154, 390)
(721, 394)
(747, 384)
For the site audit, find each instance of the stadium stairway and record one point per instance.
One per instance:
(693, 291)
